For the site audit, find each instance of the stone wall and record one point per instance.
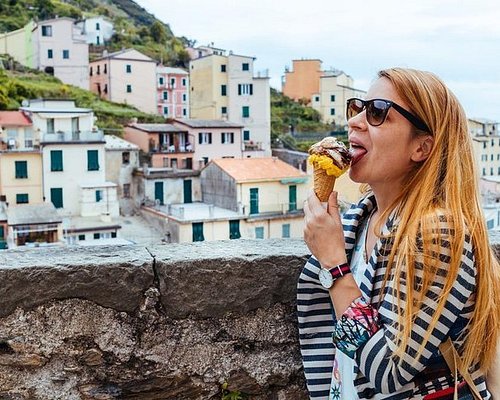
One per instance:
(166, 322)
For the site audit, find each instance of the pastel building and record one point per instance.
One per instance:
(98, 30)
(122, 158)
(126, 76)
(20, 160)
(325, 91)
(173, 92)
(202, 51)
(186, 143)
(73, 150)
(486, 143)
(57, 46)
(226, 88)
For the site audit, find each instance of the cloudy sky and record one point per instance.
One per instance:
(458, 40)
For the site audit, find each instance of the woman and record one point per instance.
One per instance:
(410, 265)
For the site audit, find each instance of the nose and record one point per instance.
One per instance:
(358, 122)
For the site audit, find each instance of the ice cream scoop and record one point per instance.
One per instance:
(330, 159)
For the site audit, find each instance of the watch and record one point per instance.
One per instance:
(327, 277)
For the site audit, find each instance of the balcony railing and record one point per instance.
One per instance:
(172, 149)
(252, 146)
(69, 136)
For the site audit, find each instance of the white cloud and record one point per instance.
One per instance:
(457, 39)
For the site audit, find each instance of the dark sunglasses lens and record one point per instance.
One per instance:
(376, 112)
(354, 107)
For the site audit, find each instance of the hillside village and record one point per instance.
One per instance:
(206, 169)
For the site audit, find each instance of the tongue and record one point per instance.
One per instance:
(357, 154)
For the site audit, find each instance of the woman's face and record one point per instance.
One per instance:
(382, 155)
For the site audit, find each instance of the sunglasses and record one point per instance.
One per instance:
(377, 109)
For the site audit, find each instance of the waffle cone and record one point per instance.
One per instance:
(323, 184)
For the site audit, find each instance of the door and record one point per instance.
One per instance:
(187, 191)
(292, 198)
(159, 192)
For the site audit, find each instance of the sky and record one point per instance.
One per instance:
(457, 40)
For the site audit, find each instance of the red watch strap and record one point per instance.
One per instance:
(340, 270)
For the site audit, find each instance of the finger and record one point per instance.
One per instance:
(333, 202)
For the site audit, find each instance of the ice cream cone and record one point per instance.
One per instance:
(323, 184)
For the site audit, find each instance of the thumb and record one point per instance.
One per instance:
(333, 203)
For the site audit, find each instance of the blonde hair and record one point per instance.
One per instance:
(446, 184)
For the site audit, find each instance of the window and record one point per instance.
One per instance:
(234, 229)
(21, 169)
(92, 160)
(245, 67)
(56, 160)
(98, 70)
(484, 145)
(285, 230)
(129, 88)
(223, 110)
(126, 190)
(56, 197)
(184, 97)
(50, 54)
(126, 157)
(223, 90)
(46, 30)
(97, 40)
(91, 71)
(105, 68)
(160, 80)
(165, 95)
(165, 110)
(105, 88)
(128, 68)
(97, 26)
(205, 137)
(81, 237)
(245, 89)
(113, 234)
(259, 232)
(316, 98)
(198, 232)
(491, 157)
(184, 81)
(245, 110)
(246, 135)
(332, 97)
(50, 125)
(65, 54)
(172, 83)
(223, 68)
(491, 170)
(22, 198)
(97, 235)
(254, 200)
(484, 171)
(227, 137)
(184, 112)
(492, 142)
(332, 111)
(98, 196)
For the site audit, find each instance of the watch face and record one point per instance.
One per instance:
(325, 277)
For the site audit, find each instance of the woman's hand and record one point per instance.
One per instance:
(323, 231)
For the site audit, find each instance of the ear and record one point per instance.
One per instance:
(423, 148)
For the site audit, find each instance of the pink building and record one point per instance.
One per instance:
(187, 143)
(173, 91)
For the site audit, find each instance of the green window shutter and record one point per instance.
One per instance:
(198, 232)
(98, 196)
(245, 111)
(285, 230)
(188, 190)
(292, 198)
(92, 160)
(223, 90)
(234, 229)
(97, 235)
(56, 197)
(259, 232)
(21, 169)
(246, 135)
(159, 192)
(22, 198)
(2, 232)
(81, 237)
(56, 160)
(254, 201)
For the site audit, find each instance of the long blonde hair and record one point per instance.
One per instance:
(447, 180)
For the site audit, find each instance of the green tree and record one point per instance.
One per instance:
(45, 9)
(158, 32)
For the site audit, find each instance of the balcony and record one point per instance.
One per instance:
(252, 146)
(69, 136)
(164, 148)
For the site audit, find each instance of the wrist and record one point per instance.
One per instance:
(328, 276)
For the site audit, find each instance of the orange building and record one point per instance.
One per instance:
(303, 80)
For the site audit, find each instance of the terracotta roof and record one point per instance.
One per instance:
(14, 118)
(255, 169)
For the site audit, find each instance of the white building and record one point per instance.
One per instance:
(486, 142)
(98, 30)
(61, 49)
(73, 150)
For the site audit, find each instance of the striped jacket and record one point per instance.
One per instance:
(377, 375)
